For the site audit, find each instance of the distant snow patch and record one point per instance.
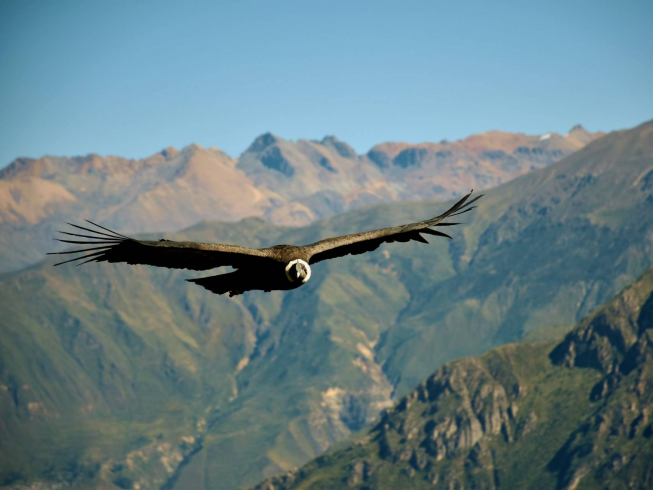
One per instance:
(545, 136)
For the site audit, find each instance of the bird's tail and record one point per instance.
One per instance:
(239, 281)
(233, 283)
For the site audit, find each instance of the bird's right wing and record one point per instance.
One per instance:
(109, 246)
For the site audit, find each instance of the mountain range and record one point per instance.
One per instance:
(285, 182)
(574, 414)
(116, 377)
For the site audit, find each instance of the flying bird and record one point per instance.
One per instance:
(281, 267)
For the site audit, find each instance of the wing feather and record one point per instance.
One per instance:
(465, 211)
(106, 229)
(358, 243)
(429, 231)
(97, 232)
(79, 251)
(80, 258)
(89, 236)
(198, 256)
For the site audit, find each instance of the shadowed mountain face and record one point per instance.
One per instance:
(122, 375)
(287, 183)
(576, 415)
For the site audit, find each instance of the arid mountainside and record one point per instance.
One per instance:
(437, 170)
(285, 182)
(135, 376)
(576, 415)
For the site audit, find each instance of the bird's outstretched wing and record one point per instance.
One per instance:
(109, 246)
(358, 243)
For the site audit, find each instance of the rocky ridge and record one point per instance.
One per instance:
(285, 182)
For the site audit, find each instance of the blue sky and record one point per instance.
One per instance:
(132, 77)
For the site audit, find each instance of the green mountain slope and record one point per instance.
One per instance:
(572, 415)
(117, 374)
(544, 249)
(105, 363)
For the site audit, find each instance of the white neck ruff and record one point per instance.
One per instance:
(298, 261)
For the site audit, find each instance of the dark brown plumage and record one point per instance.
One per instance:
(281, 267)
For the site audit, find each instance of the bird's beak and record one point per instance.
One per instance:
(297, 274)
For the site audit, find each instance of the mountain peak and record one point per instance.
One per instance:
(582, 135)
(262, 142)
(19, 165)
(192, 147)
(342, 148)
(169, 152)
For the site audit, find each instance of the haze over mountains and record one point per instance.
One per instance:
(285, 182)
(134, 376)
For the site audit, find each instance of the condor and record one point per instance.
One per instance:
(281, 267)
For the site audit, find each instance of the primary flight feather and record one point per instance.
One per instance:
(281, 267)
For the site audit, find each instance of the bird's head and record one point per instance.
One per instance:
(298, 271)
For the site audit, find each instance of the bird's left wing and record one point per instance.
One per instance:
(109, 246)
(367, 241)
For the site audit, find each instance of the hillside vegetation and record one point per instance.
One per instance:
(569, 415)
(116, 375)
